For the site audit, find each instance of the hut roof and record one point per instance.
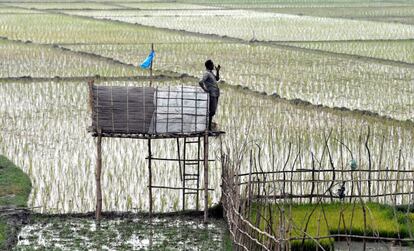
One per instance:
(147, 112)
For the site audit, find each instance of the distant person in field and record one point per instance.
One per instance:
(209, 84)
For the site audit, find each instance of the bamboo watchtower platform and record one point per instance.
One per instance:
(148, 113)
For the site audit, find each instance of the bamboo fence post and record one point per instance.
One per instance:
(369, 165)
(313, 179)
(397, 178)
(365, 225)
(380, 167)
(385, 184)
(284, 168)
(98, 172)
(249, 186)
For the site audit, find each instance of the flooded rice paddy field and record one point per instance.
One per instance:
(46, 134)
(329, 72)
(44, 131)
(135, 233)
(43, 123)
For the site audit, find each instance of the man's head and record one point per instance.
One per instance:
(209, 65)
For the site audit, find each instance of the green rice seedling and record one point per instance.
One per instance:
(30, 60)
(63, 5)
(400, 51)
(262, 26)
(51, 119)
(328, 80)
(320, 79)
(63, 29)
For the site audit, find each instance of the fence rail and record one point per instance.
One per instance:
(270, 227)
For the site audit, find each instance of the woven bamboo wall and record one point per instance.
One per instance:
(147, 110)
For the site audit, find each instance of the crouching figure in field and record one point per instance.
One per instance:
(209, 84)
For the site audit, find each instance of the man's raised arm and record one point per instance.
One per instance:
(218, 73)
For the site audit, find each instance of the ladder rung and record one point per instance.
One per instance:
(166, 159)
(191, 174)
(191, 164)
(180, 188)
(191, 142)
(191, 179)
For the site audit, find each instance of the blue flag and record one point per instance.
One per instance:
(147, 62)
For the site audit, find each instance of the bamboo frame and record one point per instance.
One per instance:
(271, 190)
(199, 136)
(100, 131)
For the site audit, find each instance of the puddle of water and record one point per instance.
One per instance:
(377, 246)
(167, 233)
(43, 131)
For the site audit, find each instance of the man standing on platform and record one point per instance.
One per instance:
(209, 84)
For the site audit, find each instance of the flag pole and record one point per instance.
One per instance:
(152, 49)
(149, 149)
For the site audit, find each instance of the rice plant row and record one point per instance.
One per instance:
(294, 74)
(382, 10)
(44, 131)
(29, 60)
(59, 29)
(402, 51)
(263, 26)
(320, 79)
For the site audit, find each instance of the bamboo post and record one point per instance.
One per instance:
(313, 179)
(198, 171)
(152, 49)
(249, 186)
(184, 171)
(179, 159)
(379, 175)
(206, 177)
(98, 176)
(150, 177)
(90, 102)
(369, 165)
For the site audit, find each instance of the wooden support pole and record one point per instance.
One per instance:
(206, 177)
(198, 172)
(152, 49)
(150, 177)
(90, 101)
(98, 210)
(184, 171)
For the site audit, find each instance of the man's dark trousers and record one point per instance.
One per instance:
(212, 108)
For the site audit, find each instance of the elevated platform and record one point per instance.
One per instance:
(155, 136)
(178, 112)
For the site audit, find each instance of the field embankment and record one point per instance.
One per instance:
(15, 188)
